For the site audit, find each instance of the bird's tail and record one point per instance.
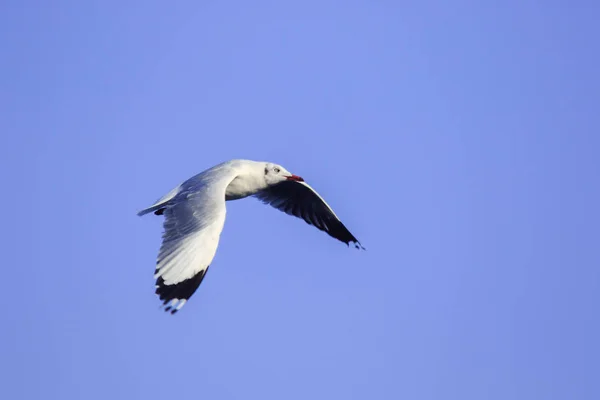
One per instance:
(150, 209)
(160, 203)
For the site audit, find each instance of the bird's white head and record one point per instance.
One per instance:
(275, 173)
(254, 176)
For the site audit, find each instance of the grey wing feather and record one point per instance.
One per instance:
(193, 223)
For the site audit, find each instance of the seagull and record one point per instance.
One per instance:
(194, 215)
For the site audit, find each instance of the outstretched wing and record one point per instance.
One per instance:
(192, 228)
(302, 201)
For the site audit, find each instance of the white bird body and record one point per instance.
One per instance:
(195, 212)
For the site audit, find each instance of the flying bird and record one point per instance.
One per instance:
(194, 215)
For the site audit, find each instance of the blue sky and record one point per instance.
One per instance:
(457, 140)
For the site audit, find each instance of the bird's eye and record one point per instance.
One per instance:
(276, 170)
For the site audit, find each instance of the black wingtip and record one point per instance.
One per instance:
(358, 246)
(172, 295)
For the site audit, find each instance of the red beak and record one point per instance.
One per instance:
(295, 178)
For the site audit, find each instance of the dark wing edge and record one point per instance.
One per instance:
(300, 200)
(176, 295)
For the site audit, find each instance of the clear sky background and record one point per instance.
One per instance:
(458, 140)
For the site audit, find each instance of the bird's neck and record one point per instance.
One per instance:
(246, 183)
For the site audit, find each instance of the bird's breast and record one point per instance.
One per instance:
(238, 189)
